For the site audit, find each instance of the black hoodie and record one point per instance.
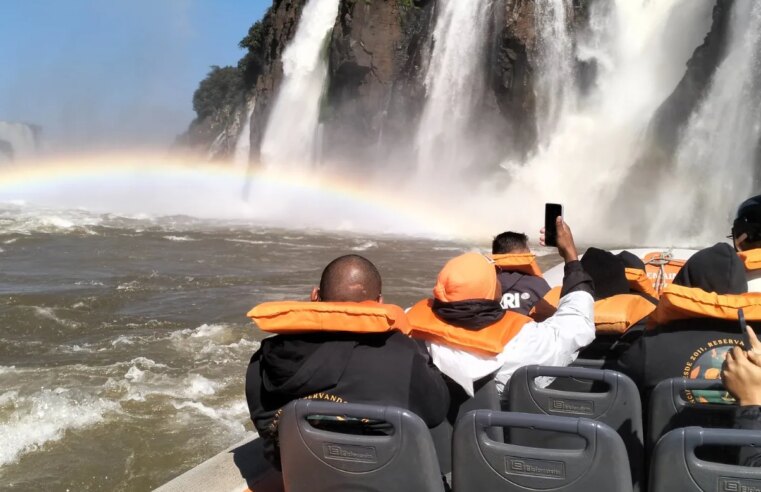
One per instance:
(692, 348)
(384, 369)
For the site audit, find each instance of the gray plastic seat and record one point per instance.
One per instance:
(485, 397)
(670, 410)
(618, 405)
(484, 465)
(676, 468)
(318, 460)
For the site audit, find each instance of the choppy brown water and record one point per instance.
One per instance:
(123, 342)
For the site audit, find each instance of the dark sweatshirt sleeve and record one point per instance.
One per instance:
(632, 362)
(749, 418)
(576, 279)
(429, 396)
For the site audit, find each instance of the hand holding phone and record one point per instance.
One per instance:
(551, 213)
(746, 345)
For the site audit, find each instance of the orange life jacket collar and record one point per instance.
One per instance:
(518, 262)
(490, 340)
(678, 302)
(302, 317)
(640, 282)
(615, 314)
(751, 259)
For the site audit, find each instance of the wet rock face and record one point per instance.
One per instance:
(375, 86)
(675, 111)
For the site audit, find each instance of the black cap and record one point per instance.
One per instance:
(748, 219)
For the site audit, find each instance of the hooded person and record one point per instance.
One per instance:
(621, 312)
(344, 346)
(694, 325)
(746, 234)
(471, 337)
(520, 278)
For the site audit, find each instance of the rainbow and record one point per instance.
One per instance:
(23, 181)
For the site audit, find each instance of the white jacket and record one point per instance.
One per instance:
(553, 342)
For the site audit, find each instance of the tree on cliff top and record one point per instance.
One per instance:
(222, 87)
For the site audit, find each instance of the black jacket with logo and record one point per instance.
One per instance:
(691, 348)
(520, 291)
(384, 368)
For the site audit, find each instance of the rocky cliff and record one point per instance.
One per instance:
(378, 53)
(259, 72)
(676, 110)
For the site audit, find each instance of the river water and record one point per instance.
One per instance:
(124, 341)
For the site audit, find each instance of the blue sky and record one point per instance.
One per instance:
(100, 74)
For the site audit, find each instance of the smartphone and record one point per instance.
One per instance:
(551, 213)
(744, 330)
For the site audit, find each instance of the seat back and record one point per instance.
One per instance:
(483, 464)
(485, 397)
(617, 405)
(676, 468)
(316, 460)
(670, 410)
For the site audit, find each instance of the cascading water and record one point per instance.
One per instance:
(242, 154)
(19, 140)
(289, 139)
(556, 84)
(715, 162)
(594, 146)
(454, 85)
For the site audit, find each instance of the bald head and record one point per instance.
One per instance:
(350, 278)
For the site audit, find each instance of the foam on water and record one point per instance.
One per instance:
(179, 238)
(45, 417)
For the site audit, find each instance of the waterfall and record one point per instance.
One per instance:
(556, 84)
(596, 143)
(17, 141)
(454, 85)
(242, 154)
(716, 159)
(289, 138)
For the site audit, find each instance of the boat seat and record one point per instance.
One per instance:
(614, 401)
(482, 464)
(670, 410)
(676, 468)
(319, 459)
(485, 397)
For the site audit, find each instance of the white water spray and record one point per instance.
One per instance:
(289, 139)
(242, 154)
(595, 145)
(20, 137)
(454, 84)
(716, 158)
(556, 82)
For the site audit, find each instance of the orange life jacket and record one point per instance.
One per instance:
(301, 317)
(661, 269)
(615, 314)
(640, 282)
(751, 259)
(490, 340)
(518, 262)
(678, 302)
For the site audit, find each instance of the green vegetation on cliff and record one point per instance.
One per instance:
(222, 87)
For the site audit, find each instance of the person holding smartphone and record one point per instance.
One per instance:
(471, 338)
